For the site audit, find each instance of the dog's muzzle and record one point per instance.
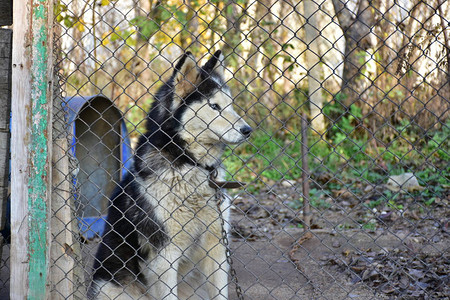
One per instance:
(246, 131)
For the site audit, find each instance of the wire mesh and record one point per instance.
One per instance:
(4, 269)
(373, 79)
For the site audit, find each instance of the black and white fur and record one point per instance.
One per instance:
(163, 238)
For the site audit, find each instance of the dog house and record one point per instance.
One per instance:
(102, 149)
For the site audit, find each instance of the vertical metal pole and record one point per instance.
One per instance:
(31, 148)
(305, 175)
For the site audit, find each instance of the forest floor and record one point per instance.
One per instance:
(362, 246)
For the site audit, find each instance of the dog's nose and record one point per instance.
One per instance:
(246, 130)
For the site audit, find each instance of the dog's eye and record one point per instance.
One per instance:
(214, 106)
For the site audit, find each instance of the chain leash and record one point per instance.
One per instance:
(226, 242)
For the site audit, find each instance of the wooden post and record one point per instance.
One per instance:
(31, 148)
(62, 261)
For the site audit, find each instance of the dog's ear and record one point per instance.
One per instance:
(215, 64)
(186, 76)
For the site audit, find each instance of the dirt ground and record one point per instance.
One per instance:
(403, 254)
(357, 251)
(265, 270)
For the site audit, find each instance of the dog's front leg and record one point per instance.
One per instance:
(216, 268)
(165, 267)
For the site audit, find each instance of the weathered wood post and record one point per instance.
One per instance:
(62, 262)
(5, 106)
(31, 132)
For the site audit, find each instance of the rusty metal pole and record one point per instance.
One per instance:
(305, 175)
(306, 204)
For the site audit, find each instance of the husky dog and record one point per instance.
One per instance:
(163, 238)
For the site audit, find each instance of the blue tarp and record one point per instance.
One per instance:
(73, 107)
(90, 227)
(93, 226)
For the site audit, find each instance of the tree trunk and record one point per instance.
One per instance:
(442, 14)
(255, 64)
(313, 58)
(266, 20)
(233, 34)
(139, 66)
(189, 33)
(357, 30)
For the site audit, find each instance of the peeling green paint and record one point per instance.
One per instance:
(38, 155)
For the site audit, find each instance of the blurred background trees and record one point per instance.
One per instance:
(373, 75)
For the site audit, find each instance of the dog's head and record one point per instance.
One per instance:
(192, 116)
(203, 105)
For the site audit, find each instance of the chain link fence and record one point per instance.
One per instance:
(353, 204)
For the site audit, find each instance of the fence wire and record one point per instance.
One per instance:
(373, 79)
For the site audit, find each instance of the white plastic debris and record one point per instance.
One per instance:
(405, 181)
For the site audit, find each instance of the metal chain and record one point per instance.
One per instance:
(226, 242)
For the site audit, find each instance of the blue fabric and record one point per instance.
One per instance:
(91, 227)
